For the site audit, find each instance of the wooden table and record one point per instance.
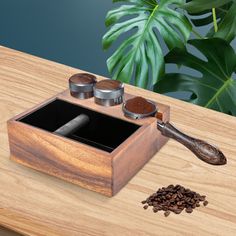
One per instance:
(33, 203)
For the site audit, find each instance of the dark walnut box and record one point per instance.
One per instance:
(102, 156)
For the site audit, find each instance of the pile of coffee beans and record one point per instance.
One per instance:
(174, 199)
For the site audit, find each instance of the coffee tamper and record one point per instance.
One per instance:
(108, 92)
(81, 85)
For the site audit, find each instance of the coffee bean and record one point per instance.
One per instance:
(178, 211)
(143, 202)
(202, 198)
(155, 210)
(145, 207)
(179, 203)
(188, 199)
(174, 196)
(167, 213)
(205, 203)
(180, 195)
(189, 210)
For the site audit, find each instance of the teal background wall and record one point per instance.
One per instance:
(65, 31)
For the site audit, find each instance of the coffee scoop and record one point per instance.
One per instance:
(139, 108)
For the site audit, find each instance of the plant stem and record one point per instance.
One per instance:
(214, 19)
(197, 34)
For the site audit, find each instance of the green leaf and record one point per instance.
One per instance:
(140, 54)
(215, 89)
(196, 6)
(201, 14)
(205, 17)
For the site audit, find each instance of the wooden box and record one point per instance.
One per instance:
(102, 157)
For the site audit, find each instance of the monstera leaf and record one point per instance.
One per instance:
(215, 89)
(205, 17)
(201, 13)
(140, 56)
(196, 6)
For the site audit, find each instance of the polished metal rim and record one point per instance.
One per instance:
(108, 102)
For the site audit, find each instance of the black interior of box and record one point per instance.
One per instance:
(103, 132)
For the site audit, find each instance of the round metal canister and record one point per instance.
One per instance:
(81, 85)
(108, 92)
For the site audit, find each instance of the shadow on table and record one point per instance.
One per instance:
(8, 232)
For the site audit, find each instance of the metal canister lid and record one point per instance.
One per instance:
(109, 92)
(81, 85)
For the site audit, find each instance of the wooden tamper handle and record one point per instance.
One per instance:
(201, 149)
(73, 125)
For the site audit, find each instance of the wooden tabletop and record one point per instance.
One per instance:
(34, 203)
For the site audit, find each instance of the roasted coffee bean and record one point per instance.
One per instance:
(174, 199)
(155, 210)
(205, 203)
(202, 198)
(178, 211)
(189, 210)
(174, 196)
(180, 195)
(188, 199)
(179, 203)
(167, 213)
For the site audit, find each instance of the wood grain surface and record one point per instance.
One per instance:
(43, 151)
(33, 203)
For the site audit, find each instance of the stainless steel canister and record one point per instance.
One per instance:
(81, 85)
(108, 92)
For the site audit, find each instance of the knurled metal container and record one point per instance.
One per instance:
(81, 85)
(108, 92)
